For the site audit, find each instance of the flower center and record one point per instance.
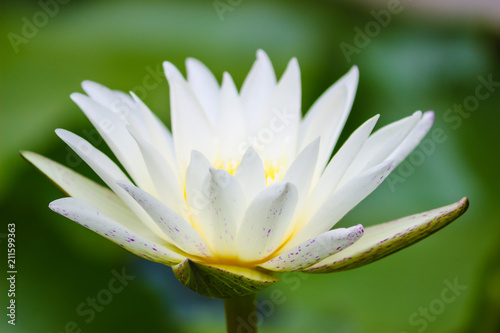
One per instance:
(228, 165)
(274, 170)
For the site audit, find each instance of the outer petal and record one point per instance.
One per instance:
(114, 132)
(80, 187)
(251, 174)
(204, 86)
(328, 115)
(83, 213)
(265, 222)
(221, 281)
(384, 239)
(179, 232)
(314, 250)
(107, 170)
(256, 89)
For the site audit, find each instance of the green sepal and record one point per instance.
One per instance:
(222, 281)
(387, 238)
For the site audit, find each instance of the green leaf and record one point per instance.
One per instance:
(384, 239)
(222, 281)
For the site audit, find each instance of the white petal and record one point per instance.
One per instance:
(196, 195)
(413, 138)
(190, 125)
(178, 231)
(107, 98)
(80, 187)
(204, 86)
(122, 105)
(314, 250)
(328, 115)
(231, 126)
(107, 171)
(171, 72)
(165, 182)
(250, 174)
(223, 213)
(148, 246)
(265, 221)
(256, 89)
(113, 130)
(380, 145)
(342, 201)
(300, 173)
(337, 167)
(282, 116)
(159, 136)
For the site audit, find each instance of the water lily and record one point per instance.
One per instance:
(243, 187)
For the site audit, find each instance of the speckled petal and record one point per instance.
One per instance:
(179, 232)
(314, 250)
(265, 221)
(384, 239)
(222, 214)
(149, 247)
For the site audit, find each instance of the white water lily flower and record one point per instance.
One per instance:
(243, 187)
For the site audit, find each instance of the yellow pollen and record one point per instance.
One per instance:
(274, 170)
(229, 165)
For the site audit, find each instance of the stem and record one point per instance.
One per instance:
(241, 314)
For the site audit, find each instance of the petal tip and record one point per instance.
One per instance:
(88, 84)
(430, 115)
(77, 97)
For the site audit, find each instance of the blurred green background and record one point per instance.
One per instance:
(425, 55)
